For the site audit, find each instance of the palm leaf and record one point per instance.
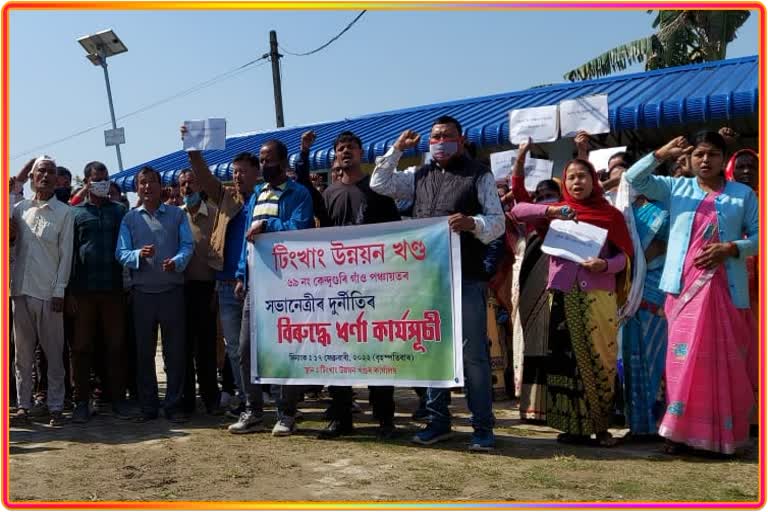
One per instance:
(617, 59)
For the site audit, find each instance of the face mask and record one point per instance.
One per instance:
(62, 194)
(444, 149)
(100, 188)
(270, 172)
(192, 199)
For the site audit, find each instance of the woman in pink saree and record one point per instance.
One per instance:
(709, 390)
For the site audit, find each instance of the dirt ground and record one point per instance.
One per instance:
(110, 459)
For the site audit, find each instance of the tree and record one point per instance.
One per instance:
(682, 37)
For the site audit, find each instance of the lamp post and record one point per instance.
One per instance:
(98, 47)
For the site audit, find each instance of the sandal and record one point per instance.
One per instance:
(606, 440)
(673, 448)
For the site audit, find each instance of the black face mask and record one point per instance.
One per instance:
(270, 172)
(63, 194)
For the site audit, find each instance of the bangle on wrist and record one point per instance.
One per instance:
(734, 249)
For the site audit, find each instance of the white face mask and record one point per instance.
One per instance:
(100, 188)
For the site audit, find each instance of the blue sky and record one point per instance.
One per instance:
(388, 60)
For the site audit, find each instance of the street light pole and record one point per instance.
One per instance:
(98, 47)
(111, 109)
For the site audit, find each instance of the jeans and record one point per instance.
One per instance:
(286, 397)
(231, 314)
(477, 364)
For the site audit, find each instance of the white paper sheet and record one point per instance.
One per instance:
(599, 157)
(501, 163)
(536, 169)
(538, 123)
(589, 113)
(205, 134)
(574, 241)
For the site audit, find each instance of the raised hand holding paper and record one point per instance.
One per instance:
(574, 241)
(205, 134)
(538, 123)
(589, 113)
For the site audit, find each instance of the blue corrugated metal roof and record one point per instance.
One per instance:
(673, 96)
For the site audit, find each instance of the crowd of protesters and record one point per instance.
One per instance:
(661, 326)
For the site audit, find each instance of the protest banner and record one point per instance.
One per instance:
(574, 241)
(357, 305)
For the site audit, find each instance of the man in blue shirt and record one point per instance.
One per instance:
(277, 205)
(156, 244)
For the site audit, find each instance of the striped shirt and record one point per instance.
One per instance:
(267, 202)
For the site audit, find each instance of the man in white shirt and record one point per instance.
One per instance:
(40, 273)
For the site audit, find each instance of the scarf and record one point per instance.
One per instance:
(596, 210)
(731, 167)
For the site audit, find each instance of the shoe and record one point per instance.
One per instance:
(82, 413)
(356, 409)
(237, 411)
(432, 434)
(144, 417)
(56, 419)
(482, 442)
(285, 426)
(21, 416)
(176, 417)
(214, 410)
(336, 429)
(247, 423)
(386, 431)
(39, 410)
(420, 414)
(225, 400)
(121, 411)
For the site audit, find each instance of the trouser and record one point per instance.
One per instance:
(231, 315)
(286, 397)
(201, 345)
(381, 398)
(227, 377)
(477, 364)
(130, 348)
(11, 356)
(40, 372)
(167, 310)
(33, 320)
(99, 333)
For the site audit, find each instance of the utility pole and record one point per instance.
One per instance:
(274, 56)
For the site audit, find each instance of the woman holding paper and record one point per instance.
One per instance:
(709, 394)
(584, 302)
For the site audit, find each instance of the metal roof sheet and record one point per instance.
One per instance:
(672, 96)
